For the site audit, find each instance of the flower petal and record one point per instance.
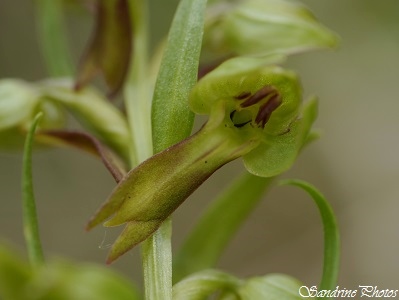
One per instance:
(133, 234)
(277, 154)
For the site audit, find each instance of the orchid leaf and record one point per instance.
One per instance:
(172, 119)
(218, 224)
(30, 222)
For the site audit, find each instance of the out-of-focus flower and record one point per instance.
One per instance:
(19, 103)
(263, 27)
(21, 100)
(60, 280)
(110, 47)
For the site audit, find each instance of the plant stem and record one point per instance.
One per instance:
(137, 88)
(156, 251)
(157, 263)
(31, 228)
(52, 37)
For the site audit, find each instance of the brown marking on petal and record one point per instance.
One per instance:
(266, 110)
(267, 90)
(243, 96)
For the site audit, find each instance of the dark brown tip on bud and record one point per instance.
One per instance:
(109, 261)
(259, 95)
(265, 111)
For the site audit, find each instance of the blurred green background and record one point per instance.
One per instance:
(355, 164)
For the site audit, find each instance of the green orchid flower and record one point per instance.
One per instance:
(19, 103)
(263, 27)
(253, 113)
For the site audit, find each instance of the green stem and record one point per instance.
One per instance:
(31, 228)
(156, 251)
(137, 88)
(52, 37)
(157, 263)
(177, 75)
(331, 235)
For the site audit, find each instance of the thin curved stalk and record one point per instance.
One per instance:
(30, 223)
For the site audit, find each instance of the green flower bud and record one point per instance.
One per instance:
(110, 46)
(19, 103)
(252, 114)
(262, 27)
(94, 111)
